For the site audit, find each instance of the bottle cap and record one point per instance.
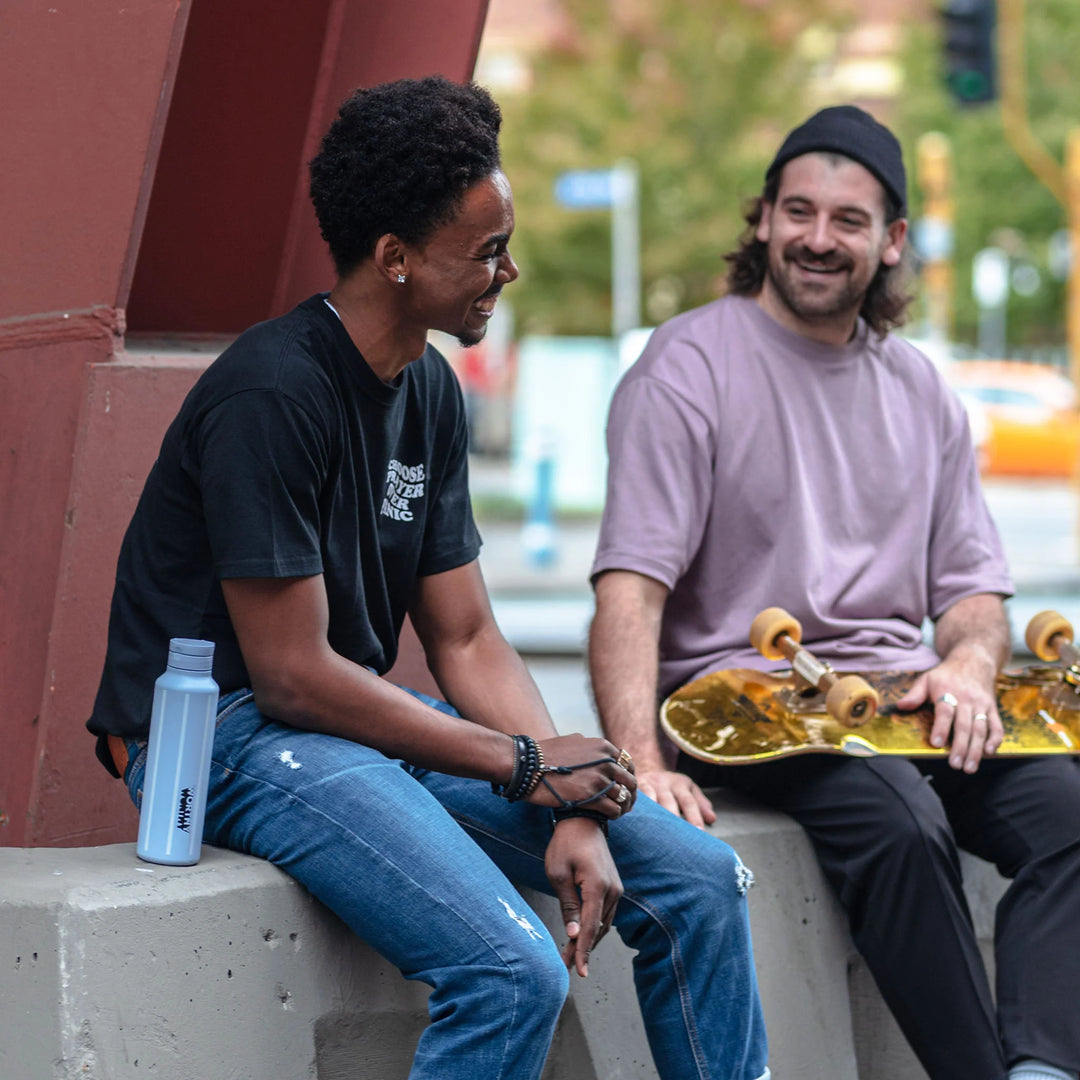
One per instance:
(190, 654)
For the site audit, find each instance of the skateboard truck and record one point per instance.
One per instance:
(848, 698)
(1050, 637)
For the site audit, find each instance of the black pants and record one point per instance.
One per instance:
(886, 832)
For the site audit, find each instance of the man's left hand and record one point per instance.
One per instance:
(965, 707)
(580, 868)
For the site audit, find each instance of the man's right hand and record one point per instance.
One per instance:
(677, 793)
(624, 658)
(583, 875)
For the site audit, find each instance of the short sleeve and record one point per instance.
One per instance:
(965, 555)
(661, 457)
(260, 460)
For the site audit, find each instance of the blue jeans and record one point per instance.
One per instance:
(419, 865)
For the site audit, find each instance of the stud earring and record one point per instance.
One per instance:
(401, 279)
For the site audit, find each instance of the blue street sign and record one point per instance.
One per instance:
(585, 189)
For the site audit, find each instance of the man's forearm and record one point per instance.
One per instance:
(488, 682)
(975, 626)
(624, 660)
(624, 664)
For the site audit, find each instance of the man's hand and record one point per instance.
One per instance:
(961, 688)
(606, 786)
(580, 869)
(677, 793)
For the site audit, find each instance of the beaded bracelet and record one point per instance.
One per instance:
(534, 781)
(528, 769)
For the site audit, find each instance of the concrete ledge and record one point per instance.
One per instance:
(228, 970)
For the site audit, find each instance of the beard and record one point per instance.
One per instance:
(838, 294)
(468, 338)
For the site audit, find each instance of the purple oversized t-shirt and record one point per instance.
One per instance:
(751, 467)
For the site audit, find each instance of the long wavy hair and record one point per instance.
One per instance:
(885, 304)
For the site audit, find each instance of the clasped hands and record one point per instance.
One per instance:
(599, 778)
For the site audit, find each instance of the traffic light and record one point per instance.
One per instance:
(970, 61)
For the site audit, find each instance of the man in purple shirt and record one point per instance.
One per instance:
(778, 447)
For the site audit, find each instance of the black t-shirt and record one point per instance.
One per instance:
(289, 457)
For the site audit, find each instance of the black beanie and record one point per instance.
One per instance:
(847, 130)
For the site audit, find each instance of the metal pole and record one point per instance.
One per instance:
(1014, 113)
(934, 167)
(625, 249)
(992, 339)
(1072, 206)
(990, 284)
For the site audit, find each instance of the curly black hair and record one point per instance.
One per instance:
(887, 299)
(398, 159)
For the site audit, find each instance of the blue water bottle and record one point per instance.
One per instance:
(178, 757)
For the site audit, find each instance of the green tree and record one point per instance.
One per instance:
(997, 198)
(698, 93)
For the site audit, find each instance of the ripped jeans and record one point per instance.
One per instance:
(419, 865)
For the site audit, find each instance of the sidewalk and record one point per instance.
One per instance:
(546, 609)
(540, 609)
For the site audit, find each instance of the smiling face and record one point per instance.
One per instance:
(456, 275)
(825, 237)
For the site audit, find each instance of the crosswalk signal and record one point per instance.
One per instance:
(970, 62)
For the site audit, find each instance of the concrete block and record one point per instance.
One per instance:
(825, 1016)
(225, 970)
(112, 969)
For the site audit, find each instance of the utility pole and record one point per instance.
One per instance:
(614, 189)
(934, 231)
(625, 249)
(1072, 205)
(1060, 181)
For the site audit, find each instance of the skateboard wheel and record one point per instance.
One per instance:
(767, 626)
(852, 701)
(1041, 631)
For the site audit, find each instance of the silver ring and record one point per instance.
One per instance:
(980, 716)
(622, 796)
(624, 760)
(948, 699)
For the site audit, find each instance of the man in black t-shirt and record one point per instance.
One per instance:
(311, 492)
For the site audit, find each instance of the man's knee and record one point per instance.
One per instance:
(695, 873)
(540, 981)
(719, 864)
(908, 840)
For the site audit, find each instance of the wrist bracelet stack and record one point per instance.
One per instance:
(528, 770)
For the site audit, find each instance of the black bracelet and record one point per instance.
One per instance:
(528, 763)
(564, 812)
(538, 773)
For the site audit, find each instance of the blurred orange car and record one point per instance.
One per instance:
(1025, 419)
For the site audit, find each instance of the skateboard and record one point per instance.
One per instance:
(742, 717)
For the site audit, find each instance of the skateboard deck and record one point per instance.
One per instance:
(739, 716)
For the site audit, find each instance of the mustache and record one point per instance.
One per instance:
(830, 260)
(493, 291)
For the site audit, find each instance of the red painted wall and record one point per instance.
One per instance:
(230, 161)
(230, 235)
(84, 89)
(84, 92)
(195, 118)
